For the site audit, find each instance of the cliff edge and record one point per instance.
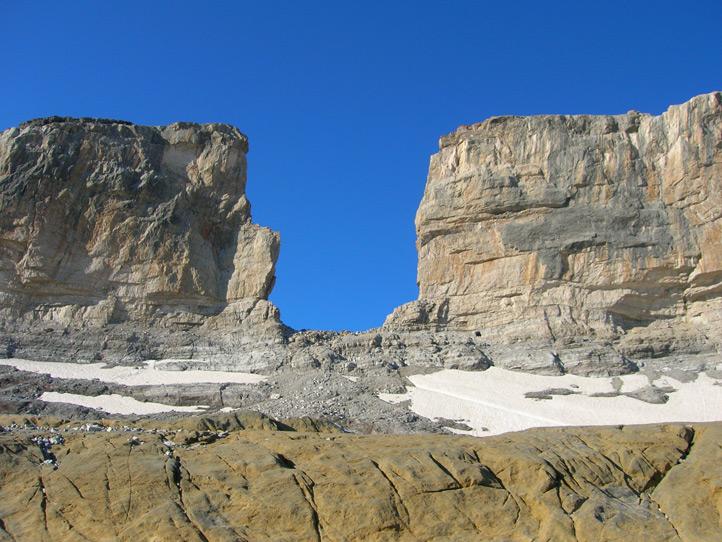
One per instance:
(104, 223)
(570, 231)
(585, 244)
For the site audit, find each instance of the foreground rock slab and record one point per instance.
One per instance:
(244, 478)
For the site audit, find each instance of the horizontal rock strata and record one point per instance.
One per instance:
(596, 234)
(585, 244)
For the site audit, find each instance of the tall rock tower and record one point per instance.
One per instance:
(572, 230)
(106, 224)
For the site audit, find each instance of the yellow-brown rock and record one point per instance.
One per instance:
(578, 484)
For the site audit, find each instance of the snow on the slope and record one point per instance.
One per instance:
(493, 401)
(148, 374)
(116, 404)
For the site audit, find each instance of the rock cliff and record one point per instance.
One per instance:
(596, 234)
(105, 223)
(552, 243)
(246, 477)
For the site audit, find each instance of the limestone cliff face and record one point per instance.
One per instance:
(556, 228)
(104, 222)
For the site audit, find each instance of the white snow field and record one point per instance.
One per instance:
(493, 402)
(116, 404)
(148, 374)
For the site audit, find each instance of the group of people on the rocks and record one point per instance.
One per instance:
(46, 443)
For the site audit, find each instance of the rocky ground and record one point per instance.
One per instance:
(362, 400)
(553, 246)
(329, 396)
(242, 476)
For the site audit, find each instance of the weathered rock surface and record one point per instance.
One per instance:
(105, 224)
(584, 244)
(243, 477)
(548, 244)
(595, 237)
(122, 243)
(327, 396)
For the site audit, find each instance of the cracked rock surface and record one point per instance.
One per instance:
(246, 477)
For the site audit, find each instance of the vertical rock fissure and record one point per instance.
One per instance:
(306, 489)
(401, 511)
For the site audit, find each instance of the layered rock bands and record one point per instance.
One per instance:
(569, 230)
(551, 243)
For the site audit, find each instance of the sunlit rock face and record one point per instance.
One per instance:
(244, 476)
(559, 229)
(105, 222)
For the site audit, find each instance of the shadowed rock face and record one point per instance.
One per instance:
(105, 222)
(260, 482)
(118, 221)
(553, 229)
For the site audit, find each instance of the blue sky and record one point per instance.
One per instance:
(344, 102)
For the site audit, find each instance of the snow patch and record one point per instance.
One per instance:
(116, 404)
(147, 374)
(494, 400)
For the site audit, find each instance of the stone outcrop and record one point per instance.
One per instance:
(121, 243)
(245, 477)
(585, 244)
(547, 243)
(106, 223)
(598, 235)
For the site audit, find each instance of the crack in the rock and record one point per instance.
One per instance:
(130, 484)
(653, 482)
(508, 497)
(307, 492)
(651, 498)
(570, 515)
(685, 454)
(656, 480)
(461, 487)
(4, 528)
(177, 479)
(233, 469)
(625, 476)
(445, 470)
(71, 527)
(43, 502)
(568, 474)
(399, 505)
(74, 487)
(634, 511)
(106, 489)
(509, 494)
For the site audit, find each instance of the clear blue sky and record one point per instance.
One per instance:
(344, 102)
